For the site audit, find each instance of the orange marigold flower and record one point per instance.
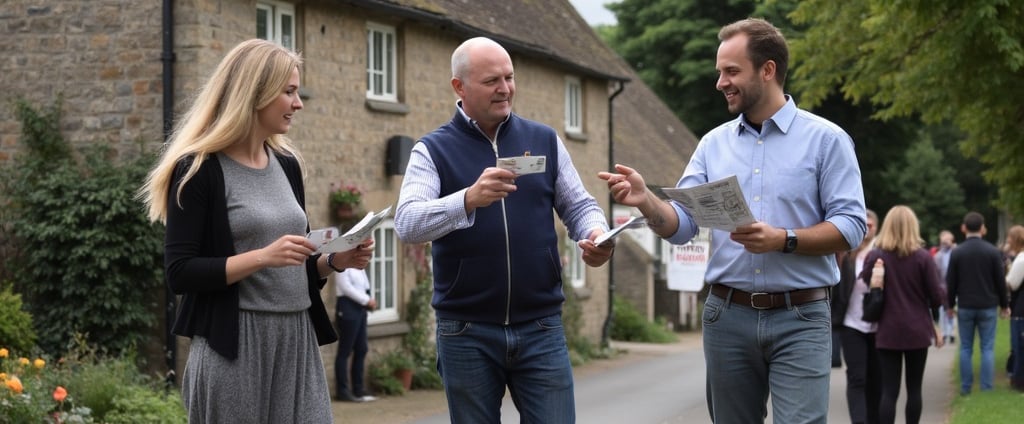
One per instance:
(39, 363)
(14, 384)
(59, 394)
(4, 352)
(23, 361)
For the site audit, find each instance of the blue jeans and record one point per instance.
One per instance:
(477, 361)
(750, 353)
(984, 320)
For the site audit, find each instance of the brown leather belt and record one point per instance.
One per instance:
(769, 300)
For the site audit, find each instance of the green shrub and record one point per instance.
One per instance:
(88, 259)
(98, 389)
(382, 372)
(630, 325)
(138, 404)
(426, 378)
(15, 324)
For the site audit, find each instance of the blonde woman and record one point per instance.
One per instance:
(911, 284)
(1014, 278)
(229, 188)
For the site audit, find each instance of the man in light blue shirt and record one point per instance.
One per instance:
(767, 320)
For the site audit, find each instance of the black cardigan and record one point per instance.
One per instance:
(841, 292)
(196, 247)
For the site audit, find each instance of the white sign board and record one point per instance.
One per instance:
(688, 263)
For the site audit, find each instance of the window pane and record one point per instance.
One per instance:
(377, 52)
(262, 23)
(286, 31)
(389, 65)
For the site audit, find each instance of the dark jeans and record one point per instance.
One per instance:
(863, 376)
(477, 361)
(351, 323)
(892, 368)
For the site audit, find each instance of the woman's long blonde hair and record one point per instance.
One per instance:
(900, 232)
(251, 76)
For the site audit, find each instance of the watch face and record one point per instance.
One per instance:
(790, 241)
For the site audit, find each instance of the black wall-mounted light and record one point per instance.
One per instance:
(397, 158)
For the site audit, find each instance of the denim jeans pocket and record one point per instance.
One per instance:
(551, 322)
(712, 309)
(819, 311)
(450, 327)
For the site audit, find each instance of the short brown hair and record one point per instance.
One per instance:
(765, 42)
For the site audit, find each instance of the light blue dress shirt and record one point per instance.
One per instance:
(800, 170)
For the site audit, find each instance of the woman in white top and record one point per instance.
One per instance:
(1014, 277)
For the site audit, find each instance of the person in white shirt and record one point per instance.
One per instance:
(354, 302)
(1014, 278)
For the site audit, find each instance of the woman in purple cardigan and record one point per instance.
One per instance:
(910, 283)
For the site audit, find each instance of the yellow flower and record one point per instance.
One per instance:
(23, 361)
(3, 377)
(4, 352)
(39, 363)
(14, 384)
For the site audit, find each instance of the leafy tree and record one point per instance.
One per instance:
(672, 46)
(88, 260)
(927, 184)
(957, 61)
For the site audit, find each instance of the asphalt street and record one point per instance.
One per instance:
(650, 383)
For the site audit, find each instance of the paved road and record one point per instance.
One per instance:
(664, 384)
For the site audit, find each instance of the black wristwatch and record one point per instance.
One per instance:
(330, 264)
(790, 245)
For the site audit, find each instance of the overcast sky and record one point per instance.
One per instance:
(593, 11)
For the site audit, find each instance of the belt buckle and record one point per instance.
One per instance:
(755, 296)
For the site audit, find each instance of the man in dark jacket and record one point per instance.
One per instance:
(976, 285)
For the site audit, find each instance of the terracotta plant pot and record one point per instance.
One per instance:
(345, 211)
(405, 377)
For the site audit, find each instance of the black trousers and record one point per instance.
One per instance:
(352, 341)
(892, 368)
(863, 376)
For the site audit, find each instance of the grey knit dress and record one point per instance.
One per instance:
(278, 376)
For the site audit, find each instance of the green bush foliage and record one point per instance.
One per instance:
(96, 388)
(420, 317)
(630, 325)
(15, 324)
(382, 372)
(88, 261)
(145, 405)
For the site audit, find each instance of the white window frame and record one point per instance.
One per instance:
(573, 105)
(575, 269)
(381, 62)
(383, 273)
(277, 12)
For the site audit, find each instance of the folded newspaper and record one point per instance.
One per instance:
(326, 243)
(633, 222)
(718, 204)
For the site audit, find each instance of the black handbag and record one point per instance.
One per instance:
(874, 301)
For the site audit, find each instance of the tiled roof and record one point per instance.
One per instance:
(550, 29)
(648, 136)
